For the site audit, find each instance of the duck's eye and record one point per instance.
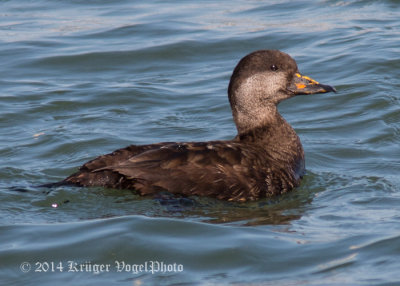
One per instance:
(274, 68)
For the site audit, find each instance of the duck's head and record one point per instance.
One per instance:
(260, 81)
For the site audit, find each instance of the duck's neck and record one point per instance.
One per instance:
(277, 138)
(255, 118)
(268, 127)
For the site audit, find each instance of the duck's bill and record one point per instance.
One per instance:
(302, 84)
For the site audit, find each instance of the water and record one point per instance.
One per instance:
(83, 78)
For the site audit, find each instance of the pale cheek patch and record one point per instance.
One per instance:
(257, 87)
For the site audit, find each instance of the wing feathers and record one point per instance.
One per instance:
(225, 171)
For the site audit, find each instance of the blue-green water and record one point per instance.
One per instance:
(83, 78)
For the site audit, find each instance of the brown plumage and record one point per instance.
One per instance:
(264, 159)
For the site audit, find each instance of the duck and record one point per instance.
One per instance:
(264, 159)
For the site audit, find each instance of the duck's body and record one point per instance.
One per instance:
(231, 170)
(264, 159)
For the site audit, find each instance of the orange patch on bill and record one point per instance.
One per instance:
(310, 79)
(307, 78)
(300, 85)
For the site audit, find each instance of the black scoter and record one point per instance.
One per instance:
(265, 158)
